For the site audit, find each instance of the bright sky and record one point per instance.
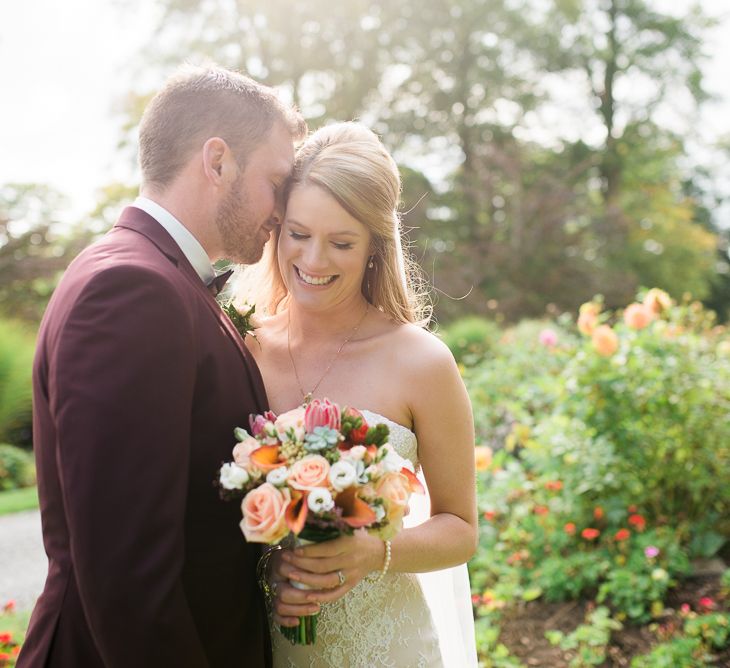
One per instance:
(66, 65)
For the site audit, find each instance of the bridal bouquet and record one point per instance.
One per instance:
(315, 473)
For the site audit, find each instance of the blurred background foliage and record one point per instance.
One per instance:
(543, 147)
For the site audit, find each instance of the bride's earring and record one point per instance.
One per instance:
(371, 264)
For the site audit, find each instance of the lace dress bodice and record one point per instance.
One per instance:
(383, 623)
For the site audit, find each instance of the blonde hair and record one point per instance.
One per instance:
(197, 103)
(349, 162)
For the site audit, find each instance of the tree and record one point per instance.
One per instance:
(35, 248)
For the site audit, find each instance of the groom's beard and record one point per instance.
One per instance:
(241, 237)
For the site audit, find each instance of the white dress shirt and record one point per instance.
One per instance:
(182, 236)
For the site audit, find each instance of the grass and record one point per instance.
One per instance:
(15, 500)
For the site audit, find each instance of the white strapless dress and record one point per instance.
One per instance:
(405, 620)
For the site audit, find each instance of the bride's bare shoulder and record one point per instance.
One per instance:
(416, 347)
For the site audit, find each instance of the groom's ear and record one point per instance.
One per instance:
(217, 161)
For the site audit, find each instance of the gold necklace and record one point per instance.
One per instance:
(307, 396)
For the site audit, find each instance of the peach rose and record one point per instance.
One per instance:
(657, 300)
(395, 489)
(587, 321)
(264, 514)
(483, 457)
(605, 340)
(638, 316)
(290, 424)
(242, 451)
(309, 472)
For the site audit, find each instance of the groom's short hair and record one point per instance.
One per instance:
(197, 103)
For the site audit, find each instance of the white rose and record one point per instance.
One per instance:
(393, 462)
(278, 477)
(233, 477)
(659, 574)
(290, 422)
(342, 475)
(356, 453)
(320, 500)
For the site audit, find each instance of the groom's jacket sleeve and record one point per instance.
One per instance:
(121, 391)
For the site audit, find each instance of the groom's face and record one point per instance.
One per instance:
(248, 211)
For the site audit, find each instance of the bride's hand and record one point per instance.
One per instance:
(334, 566)
(289, 603)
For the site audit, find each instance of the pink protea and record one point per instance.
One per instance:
(322, 414)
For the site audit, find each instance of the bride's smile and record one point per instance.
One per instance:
(323, 250)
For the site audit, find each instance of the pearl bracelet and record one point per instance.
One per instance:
(386, 563)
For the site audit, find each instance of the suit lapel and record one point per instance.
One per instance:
(135, 219)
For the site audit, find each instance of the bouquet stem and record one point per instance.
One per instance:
(306, 632)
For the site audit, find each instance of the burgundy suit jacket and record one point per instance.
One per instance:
(139, 380)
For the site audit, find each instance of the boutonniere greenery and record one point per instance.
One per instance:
(241, 319)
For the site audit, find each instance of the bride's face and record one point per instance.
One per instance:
(323, 250)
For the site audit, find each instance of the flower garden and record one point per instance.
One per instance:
(604, 488)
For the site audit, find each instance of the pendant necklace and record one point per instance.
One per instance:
(307, 396)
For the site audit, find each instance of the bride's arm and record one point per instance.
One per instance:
(444, 427)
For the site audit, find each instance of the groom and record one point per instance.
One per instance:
(139, 379)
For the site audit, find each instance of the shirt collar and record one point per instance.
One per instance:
(182, 236)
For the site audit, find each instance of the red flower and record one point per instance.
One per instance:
(476, 599)
(9, 606)
(569, 528)
(707, 603)
(622, 534)
(489, 515)
(6, 637)
(357, 434)
(685, 609)
(632, 509)
(637, 521)
(540, 510)
(554, 485)
(4, 657)
(590, 533)
(598, 513)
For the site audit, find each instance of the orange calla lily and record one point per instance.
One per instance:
(414, 482)
(266, 458)
(296, 512)
(355, 512)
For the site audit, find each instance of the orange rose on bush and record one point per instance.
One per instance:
(605, 340)
(264, 514)
(657, 300)
(588, 318)
(309, 472)
(482, 457)
(638, 316)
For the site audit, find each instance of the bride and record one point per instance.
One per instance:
(345, 322)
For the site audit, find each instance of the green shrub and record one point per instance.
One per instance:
(17, 468)
(470, 338)
(16, 361)
(685, 652)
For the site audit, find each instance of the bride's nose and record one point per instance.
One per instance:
(315, 256)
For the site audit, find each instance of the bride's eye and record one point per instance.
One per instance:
(342, 245)
(297, 236)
